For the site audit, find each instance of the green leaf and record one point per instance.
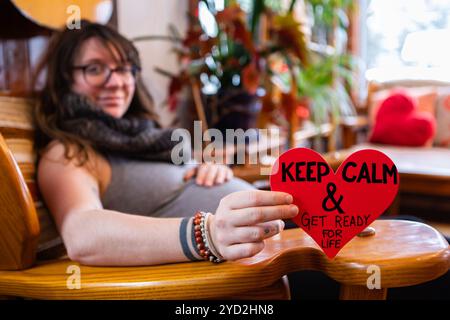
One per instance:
(258, 9)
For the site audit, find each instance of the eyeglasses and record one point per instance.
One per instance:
(98, 74)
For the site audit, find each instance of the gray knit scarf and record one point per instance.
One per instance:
(130, 137)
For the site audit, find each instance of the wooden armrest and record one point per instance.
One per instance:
(407, 253)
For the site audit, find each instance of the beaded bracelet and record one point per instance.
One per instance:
(202, 238)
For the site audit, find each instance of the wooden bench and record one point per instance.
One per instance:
(33, 264)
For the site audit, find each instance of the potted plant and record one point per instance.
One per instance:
(266, 49)
(316, 89)
(232, 63)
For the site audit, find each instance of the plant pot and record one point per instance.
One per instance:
(233, 109)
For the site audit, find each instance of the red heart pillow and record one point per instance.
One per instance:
(399, 123)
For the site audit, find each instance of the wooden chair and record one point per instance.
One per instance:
(31, 266)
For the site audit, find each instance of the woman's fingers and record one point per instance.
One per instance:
(190, 173)
(255, 233)
(229, 174)
(257, 215)
(202, 172)
(242, 250)
(245, 219)
(255, 198)
(211, 175)
(221, 176)
(277, 224)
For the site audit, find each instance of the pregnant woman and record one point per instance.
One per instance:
(105, 170)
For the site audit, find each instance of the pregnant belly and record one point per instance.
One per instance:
(141, 187)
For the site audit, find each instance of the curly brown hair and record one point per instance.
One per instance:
(57, 64)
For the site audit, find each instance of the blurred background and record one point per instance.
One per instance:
(332, 75)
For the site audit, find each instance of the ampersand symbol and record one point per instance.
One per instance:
(331, 190)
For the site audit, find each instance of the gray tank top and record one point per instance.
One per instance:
(142, 187)
(157, 189)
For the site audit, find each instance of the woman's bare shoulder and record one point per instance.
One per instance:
(66, 186)
(56, 153)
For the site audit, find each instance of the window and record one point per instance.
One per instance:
(406, 39)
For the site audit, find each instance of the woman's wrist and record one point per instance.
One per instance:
(196, 238)
(205, 244)
(211, 241)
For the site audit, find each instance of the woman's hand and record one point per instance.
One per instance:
(209, 174)
(244, 219)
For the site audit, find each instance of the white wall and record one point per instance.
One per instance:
(153, 17)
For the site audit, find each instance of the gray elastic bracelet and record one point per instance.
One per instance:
(184, 244)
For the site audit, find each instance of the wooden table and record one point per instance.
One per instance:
(424, 172)
(406, 253)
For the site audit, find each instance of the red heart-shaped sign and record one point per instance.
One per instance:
(335, 207)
